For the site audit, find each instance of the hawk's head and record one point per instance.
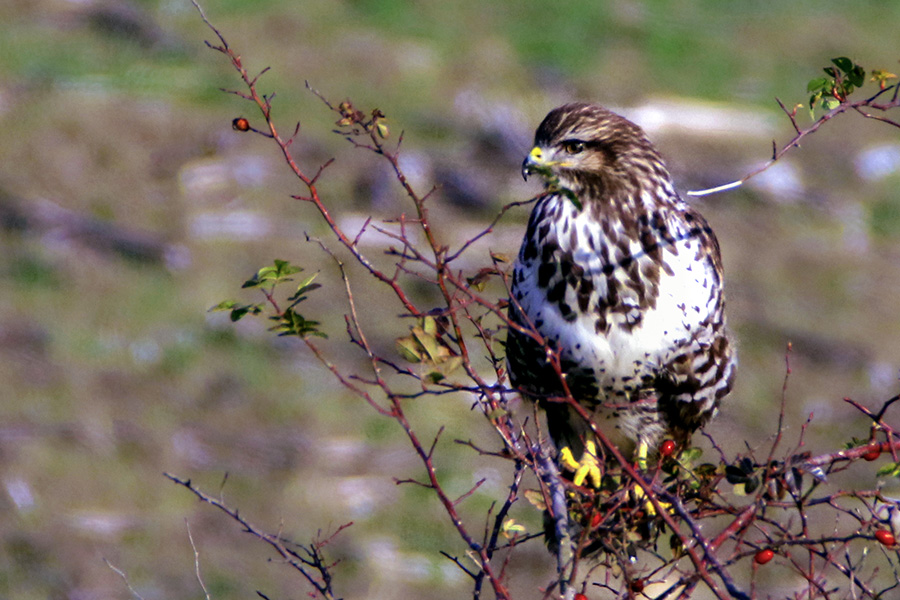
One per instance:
(595, 153)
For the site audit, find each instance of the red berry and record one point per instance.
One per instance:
(240, 124)
(764, 556)
(885, 537)
(873, 453)
(595, 520)
(667, 448)
(637, 586)
(580, 597)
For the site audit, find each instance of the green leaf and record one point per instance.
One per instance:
(889, 470)
(751, 485)
(280, 271)
(536, 499)
(284, 268)
(293, 323)
(429, 325)
(735, 475)
(511, 528)
(691, 454)
(817, 85)
(857, 76)
(239, 311)
(251, 283)
(408, 348)
(281, 265)
(843, 63)
(268, 272)
(831, 103)
(223, 305)
(307, 285)
(428, 342)
(741, 473)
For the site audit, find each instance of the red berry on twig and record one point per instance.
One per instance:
(873, 452)
(580, 597)
(764, 556)
(885, 537)
(240, 124)
(667, 448)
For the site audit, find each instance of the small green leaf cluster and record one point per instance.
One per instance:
(269, 277)
(891, 469)
(287, 321)
(424, 345)
(842, 79)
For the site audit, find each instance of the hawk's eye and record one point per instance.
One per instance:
(573, 147)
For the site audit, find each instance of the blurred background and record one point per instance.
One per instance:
(129, 207)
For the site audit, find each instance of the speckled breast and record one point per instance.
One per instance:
(618, 302)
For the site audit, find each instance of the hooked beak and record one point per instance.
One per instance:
(533, 163)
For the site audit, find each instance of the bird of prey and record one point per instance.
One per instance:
(616, 296)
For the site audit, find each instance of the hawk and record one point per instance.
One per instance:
(621, 279)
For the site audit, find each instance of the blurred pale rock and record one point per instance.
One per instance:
(878, 162)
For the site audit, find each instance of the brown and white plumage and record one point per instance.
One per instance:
(624, 279)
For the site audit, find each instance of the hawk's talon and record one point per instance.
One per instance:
(639, 494)
(642, 451)
(588, 467)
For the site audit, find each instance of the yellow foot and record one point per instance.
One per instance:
(648, 506)
(589, 466)
(641, 458)
(642, 451)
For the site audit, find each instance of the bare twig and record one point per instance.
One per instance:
(196, 560)
(124, 577)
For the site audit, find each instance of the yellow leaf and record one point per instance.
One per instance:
(536, 499)
(409, 349)
(510, 528)
(429, 325)
(428, 342)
